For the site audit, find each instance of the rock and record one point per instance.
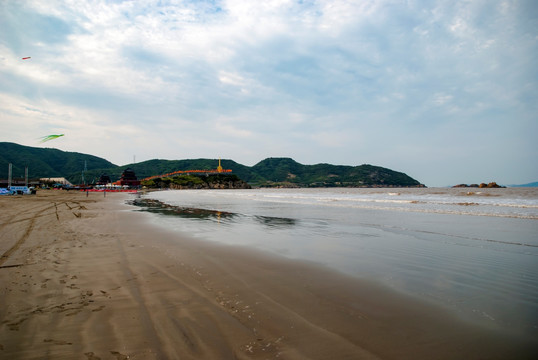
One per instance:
(491, 185)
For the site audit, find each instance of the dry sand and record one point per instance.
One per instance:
(83, 278)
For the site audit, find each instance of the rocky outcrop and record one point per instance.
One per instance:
(212, 185)
(216, 181)
(482, 185)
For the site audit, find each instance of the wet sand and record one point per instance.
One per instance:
(83, 278)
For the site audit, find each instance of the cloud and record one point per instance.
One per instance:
(302, 79)
(441, 99)
(228, 129)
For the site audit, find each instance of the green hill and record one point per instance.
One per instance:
(46, 162)
(532, 184)
(159, 167)
(269, 172)
(289, 172)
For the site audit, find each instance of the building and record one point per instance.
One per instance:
(4, 183)
(128, 178)
(103, 180)
(56, 180)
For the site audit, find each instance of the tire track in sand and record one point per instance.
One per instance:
(10, 219)
(31, 223)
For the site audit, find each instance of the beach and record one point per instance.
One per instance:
(83, 276)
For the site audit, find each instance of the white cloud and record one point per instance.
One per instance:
(226, 129)
(334, 139)
(441, 99)
(270, 78)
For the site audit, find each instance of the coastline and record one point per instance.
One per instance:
(85, 277)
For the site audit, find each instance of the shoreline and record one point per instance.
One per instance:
(86, 277)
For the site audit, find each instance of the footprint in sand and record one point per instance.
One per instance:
(119, 356)
(14, 326)
(73, 313)
(57, 342)
(91, 356)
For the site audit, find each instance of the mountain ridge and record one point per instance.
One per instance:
(45, 162)
(272, 171)
(532, 184)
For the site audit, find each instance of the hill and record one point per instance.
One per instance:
(284, 172)
(288, 171)
(532, 184)
(46, 162)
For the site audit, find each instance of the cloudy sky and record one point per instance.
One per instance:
(445, 91)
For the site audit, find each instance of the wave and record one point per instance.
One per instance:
(511, 204)
(440, 205)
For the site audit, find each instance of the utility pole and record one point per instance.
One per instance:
(9, 175)
(83, 171)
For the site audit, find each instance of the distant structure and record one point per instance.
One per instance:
(218, 170)
(128, 178)
(56, 180)
(103, 180)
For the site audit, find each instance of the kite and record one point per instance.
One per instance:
(50, 137)
(26, 58)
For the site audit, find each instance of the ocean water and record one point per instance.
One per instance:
(473, 251)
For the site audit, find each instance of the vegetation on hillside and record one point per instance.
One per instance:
(275, 172)
(213, 181)
(46, 162)
(288, 172)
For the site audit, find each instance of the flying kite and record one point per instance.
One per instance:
(26, 58)
(50, 137)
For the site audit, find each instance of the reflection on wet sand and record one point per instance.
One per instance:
(276, 222)
(158, 207)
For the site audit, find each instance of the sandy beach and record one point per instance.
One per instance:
(84, 277)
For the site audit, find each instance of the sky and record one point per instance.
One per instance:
(444, 91)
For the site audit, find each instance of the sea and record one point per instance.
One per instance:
(472, 251)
